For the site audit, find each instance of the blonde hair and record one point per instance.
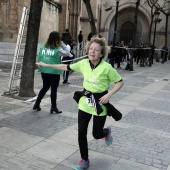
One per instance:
(101, 42)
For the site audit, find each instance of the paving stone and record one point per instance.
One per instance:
(148, 119)
(137, 82)
(167, 88)
(61, 167)
(130, 165)
(32, 160)
(52, 151)
(38, 123)
(32, 140)
(6, 107)
(68, 104)
(162, 95)
(68, 89)
(129, 89)
(137, 146)
(5, 165)
(15, 144)
(140, 80)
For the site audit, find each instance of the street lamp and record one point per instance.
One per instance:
(164, 53)
(113, 48)
(135, 30)
(166, 27)
(115, 27)
(156, 20)
(116, 16)
(135, 20)
(162, 9)
(168, 1)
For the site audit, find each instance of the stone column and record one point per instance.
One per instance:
(74, 12)
(5, 13)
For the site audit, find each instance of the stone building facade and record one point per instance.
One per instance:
(125, 21)
(10, 15)
(11, 12)
(105, 20)
(74, 16)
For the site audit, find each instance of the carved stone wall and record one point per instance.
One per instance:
(49, 21)
(84, 19)
(63, 17)
(10, 17)
(74, 8)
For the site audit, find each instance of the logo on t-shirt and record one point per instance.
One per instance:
(93, 81)
(46, 51)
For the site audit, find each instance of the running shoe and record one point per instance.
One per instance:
(82, 165)
(108, 138)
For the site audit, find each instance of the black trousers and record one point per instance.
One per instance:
(49, 80)
(98, 131)
(65, 76)
(66, 73)
(119, 58)
(111, 61)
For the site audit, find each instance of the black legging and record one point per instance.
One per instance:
(98, 131)
(49, 80)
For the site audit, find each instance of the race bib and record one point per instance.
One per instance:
(88, 102)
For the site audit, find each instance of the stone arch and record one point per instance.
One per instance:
(126, 14)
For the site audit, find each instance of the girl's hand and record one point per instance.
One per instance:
(40, 64)
(104, 99)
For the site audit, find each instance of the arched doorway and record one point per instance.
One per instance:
(127, 32)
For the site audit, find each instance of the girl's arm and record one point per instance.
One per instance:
(64, 51)
(107, 96)
(116, 88)
(54, 66)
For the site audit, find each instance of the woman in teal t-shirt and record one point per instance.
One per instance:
(51, 53)
(98, 76)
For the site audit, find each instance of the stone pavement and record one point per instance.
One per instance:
(31, 140)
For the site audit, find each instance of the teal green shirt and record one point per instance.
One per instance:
(95, 80)
(49, 56)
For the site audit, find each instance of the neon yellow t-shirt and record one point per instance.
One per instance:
(96, 81)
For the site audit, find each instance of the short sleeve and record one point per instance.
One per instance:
(114, 76)
(78, 66)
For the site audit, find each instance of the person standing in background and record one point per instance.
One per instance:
(121, 53)
(89, 36)
(112, 55)
(80, 39)
(67, 60)
(68, 40)
(100, 35)
(50, 53)
(67, 36)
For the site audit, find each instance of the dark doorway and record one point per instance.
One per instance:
(127, 32)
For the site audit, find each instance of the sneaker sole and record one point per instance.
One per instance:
(79, 168)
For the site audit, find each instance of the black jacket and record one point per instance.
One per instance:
(111, 110)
